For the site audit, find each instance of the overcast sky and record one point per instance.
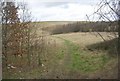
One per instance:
(61, 10)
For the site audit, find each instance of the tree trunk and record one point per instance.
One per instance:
(118, 39)
(119, 49)
(28, 46)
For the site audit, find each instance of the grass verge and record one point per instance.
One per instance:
(84, 60)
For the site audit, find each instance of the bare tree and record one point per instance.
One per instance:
(118, 14)
(109, 10)
(26, 29)
(119, 38)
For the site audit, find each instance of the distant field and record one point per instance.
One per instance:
(51, 23)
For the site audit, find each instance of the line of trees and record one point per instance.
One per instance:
(84, 27)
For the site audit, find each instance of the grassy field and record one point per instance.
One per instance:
(69, 57)
(82, 55)
(82, 61)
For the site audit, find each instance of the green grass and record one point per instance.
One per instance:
(60, 54)
(84, 61)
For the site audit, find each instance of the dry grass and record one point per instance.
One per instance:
(84, 39)
(51, 23)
